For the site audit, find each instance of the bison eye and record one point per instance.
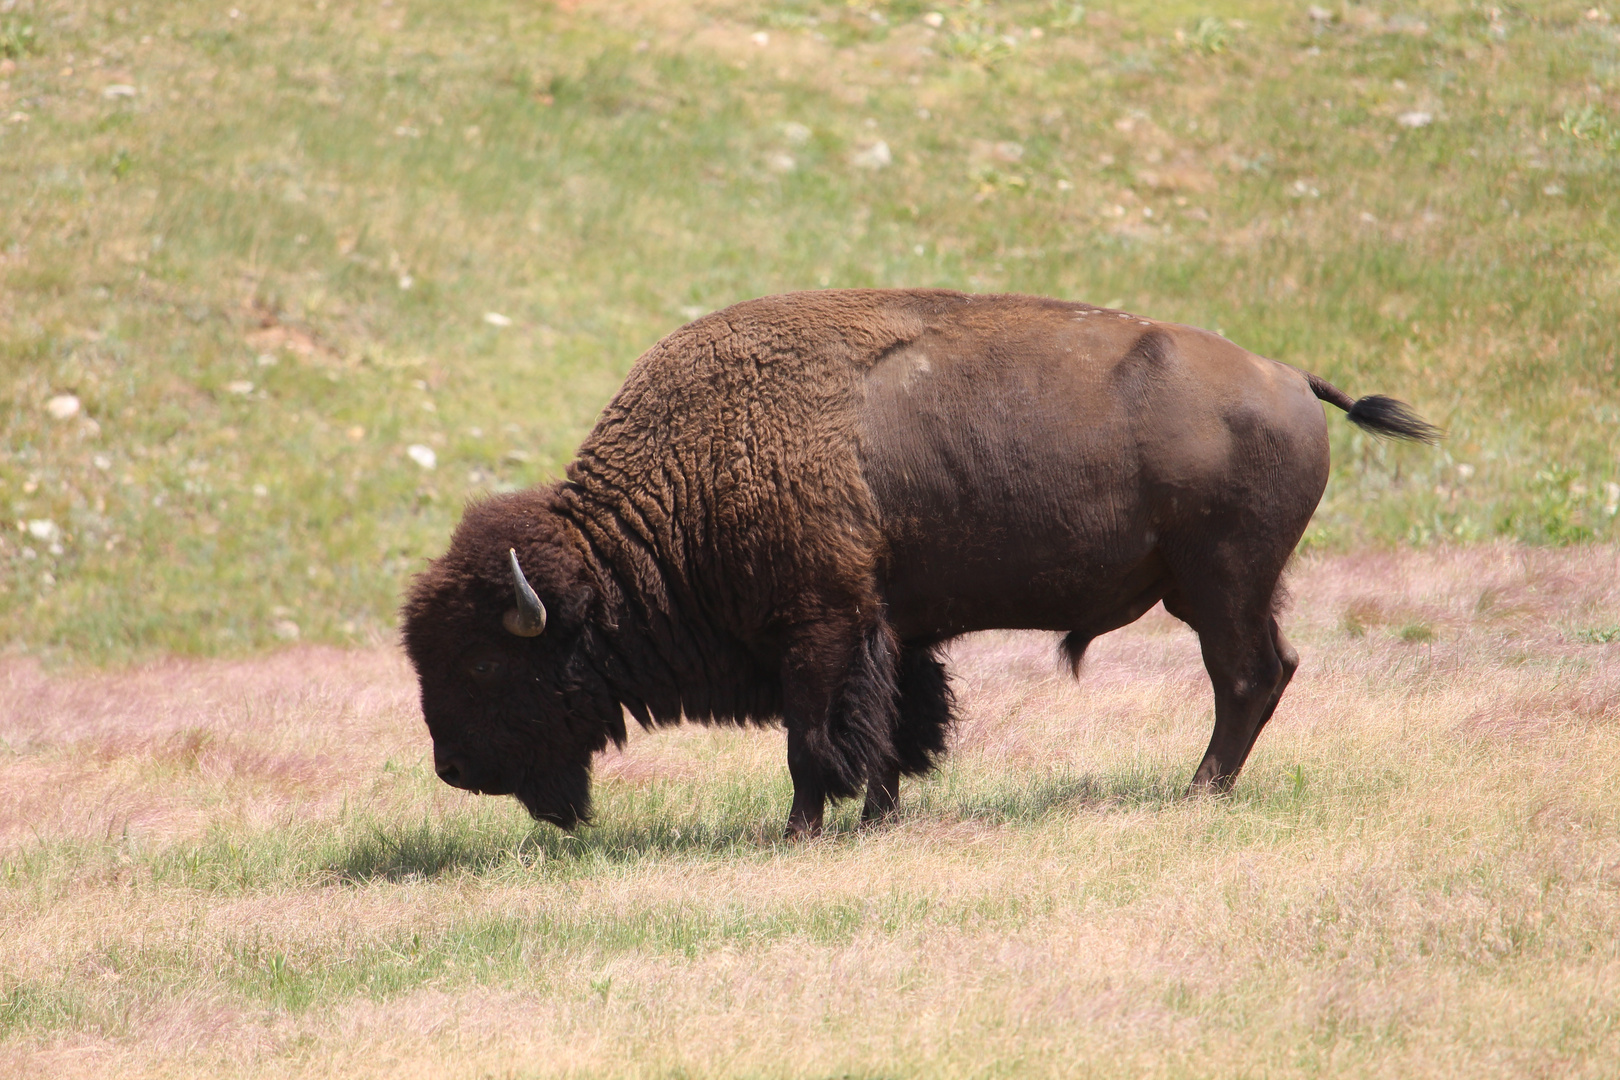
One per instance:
(485, 668)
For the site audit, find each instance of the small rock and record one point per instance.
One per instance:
(1553, 189)
(780, 162)
(796, 133)
(422, 455)
(118, 90)
(495, 318)
(1319, 14)
(760, 38)
(63, 407)
(239, 386)
(285, 629)
(934, 19)
(1417, 118)
(43, 529)
(102, 462)
(875, 156)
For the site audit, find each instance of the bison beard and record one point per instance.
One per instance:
(792, 504)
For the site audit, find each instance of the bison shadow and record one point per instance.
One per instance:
(741, 823)
(1030, 799)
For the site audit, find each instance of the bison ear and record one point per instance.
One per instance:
(528, 619)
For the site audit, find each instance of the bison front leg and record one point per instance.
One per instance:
(882, 793)
(809, 789)
(926, 712)
(839, 701)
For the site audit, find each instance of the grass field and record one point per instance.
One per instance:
(268, 248)
(283, 284)
(247, 868)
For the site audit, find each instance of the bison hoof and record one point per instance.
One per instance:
(802, 830)
(1202, 787)
(875, 816)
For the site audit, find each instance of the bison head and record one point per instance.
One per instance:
(499, 631)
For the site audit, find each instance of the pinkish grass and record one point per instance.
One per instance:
(1416, 876)
(163, 749)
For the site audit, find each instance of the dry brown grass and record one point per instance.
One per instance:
(1417, 876)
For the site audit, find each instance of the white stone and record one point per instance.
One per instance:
(1417, 118)
(422, 455)
(118, 90)
(43, 529)
(239, 386)
(495, 318)
(875, 156)
(63, 407)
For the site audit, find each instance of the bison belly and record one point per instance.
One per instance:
(1029, 476)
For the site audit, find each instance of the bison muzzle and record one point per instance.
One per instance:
(792, 504)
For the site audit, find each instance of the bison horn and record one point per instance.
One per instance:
(528, 619)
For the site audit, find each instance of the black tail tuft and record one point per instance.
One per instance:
(1385, 416)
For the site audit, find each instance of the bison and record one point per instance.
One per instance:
(793, 503)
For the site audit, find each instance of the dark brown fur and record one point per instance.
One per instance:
(792, 503)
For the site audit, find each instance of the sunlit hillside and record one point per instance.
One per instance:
(251, 256)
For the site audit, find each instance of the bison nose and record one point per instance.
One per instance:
(452, 771)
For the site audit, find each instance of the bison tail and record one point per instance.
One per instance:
(1378, 414)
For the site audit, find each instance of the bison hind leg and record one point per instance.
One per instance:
(926, 711)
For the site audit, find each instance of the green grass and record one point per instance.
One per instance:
(645, 831)
(255, 211)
